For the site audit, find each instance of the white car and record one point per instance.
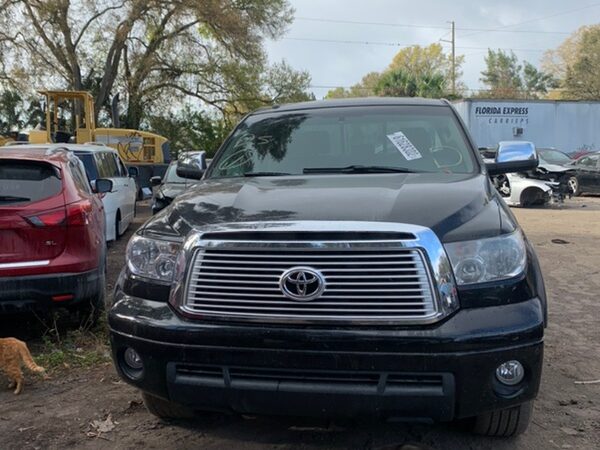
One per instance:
(518, 190)
(119, 204)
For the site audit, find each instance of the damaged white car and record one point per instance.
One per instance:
(538, 187)
(519, 190)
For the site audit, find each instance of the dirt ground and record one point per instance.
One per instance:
(69, 409)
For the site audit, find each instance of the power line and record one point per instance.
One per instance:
(560, 13)
(354, 22)
(340, 41)
(433, 27)
(397, 44)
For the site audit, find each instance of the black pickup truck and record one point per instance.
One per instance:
(338, 258)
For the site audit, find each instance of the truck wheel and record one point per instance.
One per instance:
(165, 409)
(574, 186)
(505, 422)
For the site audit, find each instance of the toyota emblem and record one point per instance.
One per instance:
(302, 284)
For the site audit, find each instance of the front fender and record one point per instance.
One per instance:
(519, 184)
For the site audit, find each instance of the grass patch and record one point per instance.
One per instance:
(64, 347)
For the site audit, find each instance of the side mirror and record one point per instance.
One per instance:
(513, 156)
(155, 181)
(133, 172)
(103, 185)
(192, 166)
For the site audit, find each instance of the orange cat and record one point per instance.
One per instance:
(13, 353)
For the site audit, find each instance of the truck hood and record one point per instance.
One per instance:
(455, 206)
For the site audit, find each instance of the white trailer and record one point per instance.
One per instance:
(565, 125)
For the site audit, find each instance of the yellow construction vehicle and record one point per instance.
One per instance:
(70, 119)
(5, 140)
(78, 126)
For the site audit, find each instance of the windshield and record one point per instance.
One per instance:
(172, 177)
(415, 138)
(553, 156)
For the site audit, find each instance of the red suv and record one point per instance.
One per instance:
(52, 241)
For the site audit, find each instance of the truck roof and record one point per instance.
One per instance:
(349, 102)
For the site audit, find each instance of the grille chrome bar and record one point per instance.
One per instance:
(307, 261)
(281, 269)
(240, 280)
(336, 303)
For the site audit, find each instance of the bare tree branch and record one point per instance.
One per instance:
(94, 18)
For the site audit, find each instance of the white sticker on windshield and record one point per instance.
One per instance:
(401, 142)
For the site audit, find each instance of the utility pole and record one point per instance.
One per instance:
(453, 42)
(453, 61)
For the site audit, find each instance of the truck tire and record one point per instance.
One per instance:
(505, 422)
(165, 409)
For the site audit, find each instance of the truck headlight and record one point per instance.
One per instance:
(152, 258)
(482, 260)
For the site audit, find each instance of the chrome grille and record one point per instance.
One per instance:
(365, 282)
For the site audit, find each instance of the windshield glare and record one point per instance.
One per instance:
(418, 138)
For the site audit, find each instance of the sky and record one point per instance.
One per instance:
(527, 27)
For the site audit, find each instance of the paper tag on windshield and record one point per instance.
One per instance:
(404, 146)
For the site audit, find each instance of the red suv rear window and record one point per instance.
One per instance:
(27, 181)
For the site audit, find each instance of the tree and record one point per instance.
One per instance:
(11, 111)
(581, 80)
(414, 71)
(502, 75)
(536, 82)
(364, 88)
(191, 129)
(402, 83)
(17, 113)
(278, 84)
(427, 61)
(146, 50)
(506, 78)
(557, 61)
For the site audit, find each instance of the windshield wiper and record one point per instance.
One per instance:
(10, 198)
(265, 174)
(358, 169)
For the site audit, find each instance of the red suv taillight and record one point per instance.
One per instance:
(78, 213)
(51, 218)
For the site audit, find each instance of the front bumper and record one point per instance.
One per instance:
(429, 373)
(34, 293)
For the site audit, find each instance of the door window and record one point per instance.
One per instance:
(589, 162)
(107, 166)
(122, 169)
(90, 164)
(79, 177)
